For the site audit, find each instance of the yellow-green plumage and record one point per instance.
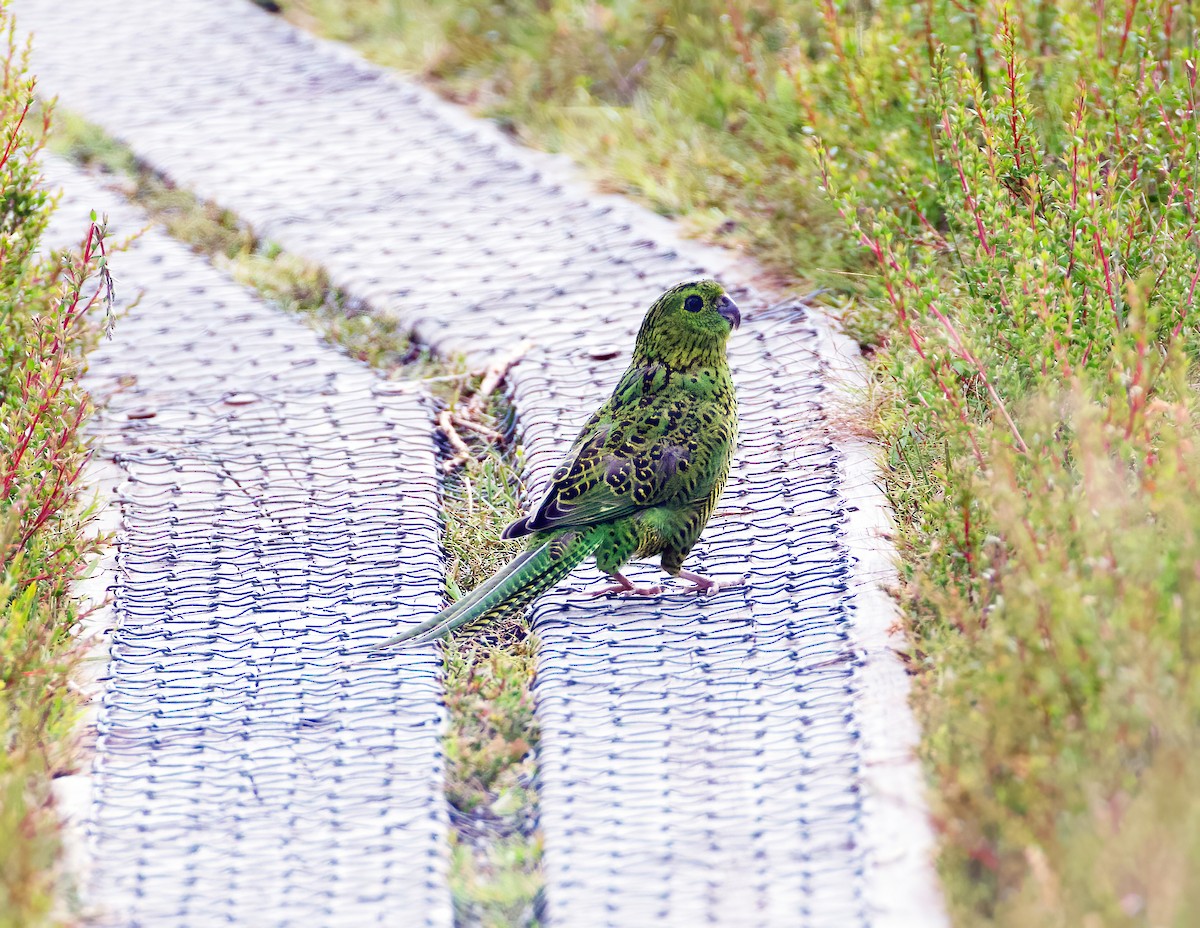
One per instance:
(646, 471)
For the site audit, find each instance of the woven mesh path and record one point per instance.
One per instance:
(278, 505)
(709, 761)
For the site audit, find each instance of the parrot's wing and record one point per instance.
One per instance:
(620, 464)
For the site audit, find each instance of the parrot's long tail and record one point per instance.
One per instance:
(530, 574)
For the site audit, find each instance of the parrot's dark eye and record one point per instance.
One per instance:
(693, 304)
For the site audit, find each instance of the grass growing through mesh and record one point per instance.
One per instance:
(50, 316)
(496, 875)
(1009, 192)
(492, 735)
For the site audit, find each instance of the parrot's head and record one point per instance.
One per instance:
(692, 318)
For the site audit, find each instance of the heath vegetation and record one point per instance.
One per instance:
(52, 308)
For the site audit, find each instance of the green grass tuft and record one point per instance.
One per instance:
(489, 669)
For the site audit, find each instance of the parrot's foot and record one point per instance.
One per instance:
(705, 586)
(626, 587)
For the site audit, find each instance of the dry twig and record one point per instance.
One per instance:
(494, 376)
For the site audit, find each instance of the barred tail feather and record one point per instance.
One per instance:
(529, 575)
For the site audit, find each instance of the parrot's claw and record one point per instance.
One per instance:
(625, 587)
(626, 591)
(708, 587)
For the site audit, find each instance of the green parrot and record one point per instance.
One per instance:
(643, 476)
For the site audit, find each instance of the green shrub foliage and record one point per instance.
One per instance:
(44, 330)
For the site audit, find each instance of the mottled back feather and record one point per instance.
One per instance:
(664, 438)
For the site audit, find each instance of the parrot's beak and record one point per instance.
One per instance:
(727, 310)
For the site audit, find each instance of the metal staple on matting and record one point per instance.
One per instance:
(703, 761)
(279, 507)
